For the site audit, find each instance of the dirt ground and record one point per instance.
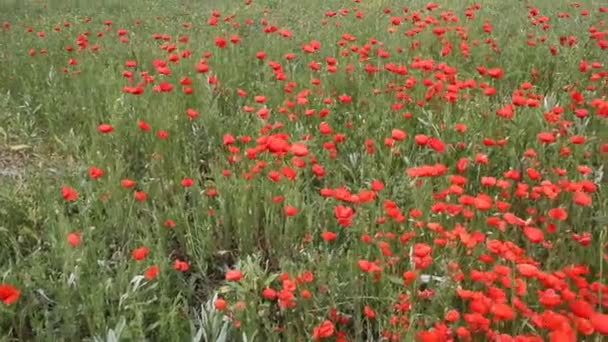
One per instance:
(14, 160)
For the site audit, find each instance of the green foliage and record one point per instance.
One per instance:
(74, 259)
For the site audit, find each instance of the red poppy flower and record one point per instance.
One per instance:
(369, 312)
(140, 196)
(546, 137)
(192, 114)
(151, 272)
(581, 198)
(68, 193)
(74, 239)
(290, 210)
(534, 234)
(299, 149)
(140, 253)
(527, 270)
(502, 311)
(180, 265)
(323, 330)
(559, 214)
(220, 42)
(105, 128)
(581, 308)
(187, 182)
(127, 183)
(495, 72)
(452, 316)
(599, 322)
(422, 250)
(229, 139)
(9, 294)
(234, 275)
(398, 134)
(436, 144)
(95, 172)
(162, 134)
(328, 236)
(220, 304)
(365, 265)
(421, 139)
(269, 294)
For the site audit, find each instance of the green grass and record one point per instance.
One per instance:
(232, 216)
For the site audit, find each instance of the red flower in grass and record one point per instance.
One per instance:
(151, 272)
(127, 183)
(144, 126)
(495, 72)
(9, 294)
(290, 210)
(162, 134)
(74, 239)
(581, 308)
(527, 270)
(328, 236)
(559, 214)
(581, 198)
(220, 42)
(398, 134)
(187, 182)
(234, 275)
(502, 311)
(105, 128)
(269, 294)
(140, 253)
(452, 316)
(533, 234)
(220, 304)
(436, 144)
(299, 149)
(140, 196)
(369, 312)
(343, 215)
(546, 137)
(69, 194)
(600, 323)
(323, 330)
(95, 172)
(180, 265)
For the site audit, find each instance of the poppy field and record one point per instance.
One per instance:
(273, 170)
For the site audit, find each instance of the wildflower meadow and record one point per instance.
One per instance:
(312, 170)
